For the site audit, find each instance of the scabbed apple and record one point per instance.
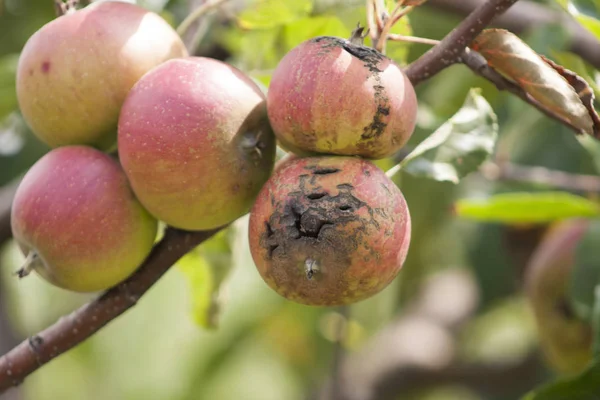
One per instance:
(329, 230)
(195, 142)
(335, 96)
(75, 72)
(78, 221)
(565, 339)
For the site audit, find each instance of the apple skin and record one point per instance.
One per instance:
(75, 72)
(195, 142)
(329, 230)
(566, 340)
(75, 210)
(331, 96)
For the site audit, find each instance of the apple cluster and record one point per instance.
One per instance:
(140, 132)
(329, 227)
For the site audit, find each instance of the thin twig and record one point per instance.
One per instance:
(198, 13)
(412, 39)
(451, 48)
(396, 16)
(541, 176)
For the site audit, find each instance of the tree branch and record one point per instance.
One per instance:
(527, 15)
(506, 171)
(450, 49)
(87, 320)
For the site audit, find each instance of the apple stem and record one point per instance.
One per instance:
(311, 267)
(63, 8)
(28, 265)
(357, 37)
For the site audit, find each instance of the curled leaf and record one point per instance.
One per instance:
(583, 89)
(513, 58)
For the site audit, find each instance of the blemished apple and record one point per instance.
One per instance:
(196, 143)
(335, 96)
(75, 72)
(329, 230)
(566, 340)
(76, 218)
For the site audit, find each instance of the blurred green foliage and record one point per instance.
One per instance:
(264, 347)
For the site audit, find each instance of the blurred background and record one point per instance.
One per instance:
(454, 325)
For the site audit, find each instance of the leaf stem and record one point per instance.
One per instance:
(197, 14)
(412, 39)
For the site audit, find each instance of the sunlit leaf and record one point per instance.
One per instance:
(585, 13)
(264, 14)
(249, 56)
(527, 207)
(206, 269)
(458, 147)
(513, 58)
(585, 386)
(307, 28)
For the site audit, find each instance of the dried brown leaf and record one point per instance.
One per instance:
(583, 89)
(513, 58)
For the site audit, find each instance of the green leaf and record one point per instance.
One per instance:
(265, 14)
(518, 207)
(8, 92)
(249, 56)
(458, 147)
(307, 28)
(586, 12)
(585, 386)
(206, 269)
(586, 271)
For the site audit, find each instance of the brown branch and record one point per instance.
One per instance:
(450, 49)
(73, 329)
(541, 176)
(527, 15)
